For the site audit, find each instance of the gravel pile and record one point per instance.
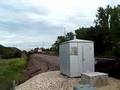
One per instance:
(53, 80)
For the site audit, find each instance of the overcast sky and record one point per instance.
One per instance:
(34, 23)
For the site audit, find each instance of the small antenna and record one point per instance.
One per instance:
(74, 35)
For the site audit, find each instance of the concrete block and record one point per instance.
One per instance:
(94, 78)
(83, 87)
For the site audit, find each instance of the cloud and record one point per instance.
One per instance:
(28, 23)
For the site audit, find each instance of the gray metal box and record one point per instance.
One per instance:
(76, 56)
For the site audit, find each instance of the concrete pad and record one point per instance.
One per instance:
(95, 78)
(83, 87)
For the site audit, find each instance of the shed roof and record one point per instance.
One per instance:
(79, 41)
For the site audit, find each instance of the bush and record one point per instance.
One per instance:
(11, 69)
(9, 52)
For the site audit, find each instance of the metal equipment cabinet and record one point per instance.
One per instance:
(76, 57)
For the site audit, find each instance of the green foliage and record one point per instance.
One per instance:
(9, 52)
(105, 34)
(115, 19)
(55, 46)
(11, 69)
(69, 36)
(61, 39)
(81, 33)
(109, 23)
(103, 18)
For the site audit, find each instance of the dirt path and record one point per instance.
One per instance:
(39, 63)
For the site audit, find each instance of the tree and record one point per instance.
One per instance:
(115, 30)
(81, 33)
(108, 21)
(55, 46)
(9, 52)
(61, 39)
(105, 33)
(103, 16)
(69, 36)
(115, 24)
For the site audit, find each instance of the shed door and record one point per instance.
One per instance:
(87, 58)
(75, 61)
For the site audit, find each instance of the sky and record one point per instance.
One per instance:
(27, 24)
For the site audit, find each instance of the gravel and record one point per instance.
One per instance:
(53, 80)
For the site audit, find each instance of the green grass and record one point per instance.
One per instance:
(11, 69)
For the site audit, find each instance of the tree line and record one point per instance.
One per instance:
(9, 52)
(105, 33)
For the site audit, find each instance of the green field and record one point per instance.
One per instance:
(11, 69)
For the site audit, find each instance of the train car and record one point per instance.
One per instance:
(38, 50)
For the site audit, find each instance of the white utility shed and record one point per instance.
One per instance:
(76, 57)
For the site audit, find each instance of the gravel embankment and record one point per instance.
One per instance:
(39, 63)
(53, 80)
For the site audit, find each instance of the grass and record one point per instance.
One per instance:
(11, 69)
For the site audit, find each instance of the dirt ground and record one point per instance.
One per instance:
(53, 80)
(43, 68)
(39, 63)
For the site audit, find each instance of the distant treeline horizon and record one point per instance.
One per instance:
(9, 52)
